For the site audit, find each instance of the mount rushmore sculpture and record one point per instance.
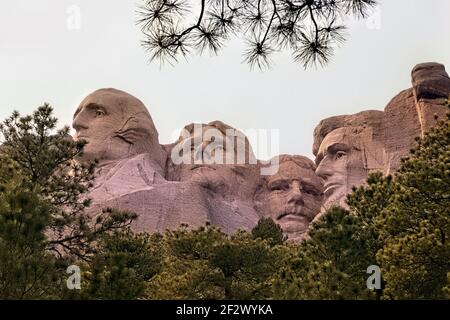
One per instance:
(211, 175)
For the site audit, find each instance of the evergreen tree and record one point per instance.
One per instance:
(45, 157)
(331, 264)
(267, 229)
(415, 226)
(43, 224)
(186, 271)
(309, 29)
(208, 264)
(27, 270)
(122, 265)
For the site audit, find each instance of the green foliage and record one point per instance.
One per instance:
(309, 29)
(415, 225)
(43, 226)
(446, 289)
(367, 203)
(45, 157)
(267, 229)
(331, 264)
(122, 265)
(27, 271)
(207, 264)
(400, 222)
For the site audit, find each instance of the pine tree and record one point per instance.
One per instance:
(124, 262)
(309, 29)
(267, 229)
(186, 271)
(43, 225)
(415, 226)
(46, 157)
(27, 270)
(205, 263)
(331, 264)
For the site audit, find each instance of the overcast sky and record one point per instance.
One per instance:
(42, 60)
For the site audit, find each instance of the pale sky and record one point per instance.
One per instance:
(42, 60)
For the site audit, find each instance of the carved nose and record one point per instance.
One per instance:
(323, 172)
(79, 124)
(296, 196)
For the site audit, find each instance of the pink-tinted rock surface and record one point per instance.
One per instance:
(210, 174)
(348, 147)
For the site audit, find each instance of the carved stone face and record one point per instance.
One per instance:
(116, 126)
(293, 196)
(342, 162)
(211, 159)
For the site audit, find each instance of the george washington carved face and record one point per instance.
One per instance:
(293, 196)
(116, 126)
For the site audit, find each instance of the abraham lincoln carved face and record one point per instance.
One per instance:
(344, 160)
(116, 126)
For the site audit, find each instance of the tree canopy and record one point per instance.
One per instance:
(400, 223)
(309, 29)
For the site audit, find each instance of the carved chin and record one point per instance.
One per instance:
(293, 216)
(107, 150)
(296, 224)
(335, 197)
(94, 152)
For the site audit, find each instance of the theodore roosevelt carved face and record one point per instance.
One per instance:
(293, 196)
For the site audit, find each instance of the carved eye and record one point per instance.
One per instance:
(279, 186)
(310, 190)
(340, 154)
(99, 112)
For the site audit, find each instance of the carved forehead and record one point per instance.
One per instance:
(218, 130)
(368, 118)
(215, 127)
(115, 101)
(296, 167)
(300, 161)
(202, 129)
(346, 136)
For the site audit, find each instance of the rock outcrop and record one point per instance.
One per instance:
(348, 148)
(210, 174)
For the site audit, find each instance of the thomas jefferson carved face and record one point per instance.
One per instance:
(293, 196)
(217, 157)
(116, 125)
